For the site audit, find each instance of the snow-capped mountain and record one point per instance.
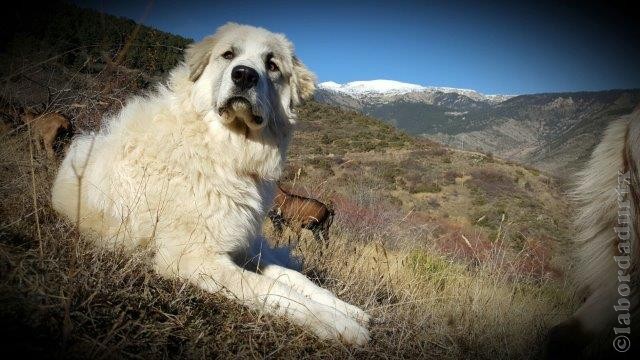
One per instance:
(553, 131)
(388, 90)
(383, 87)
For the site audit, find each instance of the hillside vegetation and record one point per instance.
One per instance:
(456, 254)
(554, 131)
(83, 40)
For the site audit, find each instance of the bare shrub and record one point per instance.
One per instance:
(493, 182)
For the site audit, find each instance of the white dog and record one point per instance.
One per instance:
(190, 172)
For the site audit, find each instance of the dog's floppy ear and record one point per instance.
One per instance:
(197, 56)
(302, 82)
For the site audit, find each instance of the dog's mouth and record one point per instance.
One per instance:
(239, 108)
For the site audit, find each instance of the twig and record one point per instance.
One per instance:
(35, 197)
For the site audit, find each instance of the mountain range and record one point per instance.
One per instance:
(552, 131)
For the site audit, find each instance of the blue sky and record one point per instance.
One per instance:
(497, 48)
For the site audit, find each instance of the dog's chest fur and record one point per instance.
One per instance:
(201, 174)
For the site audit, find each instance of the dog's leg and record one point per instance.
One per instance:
(279, 230)
(37, 142)
(277, 222)
(218, 273)
(305, 286)
(325, 235)
(298, 231)
(49, 140)
(316, 234)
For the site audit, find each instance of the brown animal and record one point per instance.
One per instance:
(297, 212)
(606, 248)
(47, 129)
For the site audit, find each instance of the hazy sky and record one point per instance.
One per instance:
(504, 48)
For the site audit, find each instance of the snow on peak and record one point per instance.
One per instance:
(371, 87)
(331, 85)
(391, 87)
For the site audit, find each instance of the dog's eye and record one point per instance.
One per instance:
(271, 66)
(228, 55)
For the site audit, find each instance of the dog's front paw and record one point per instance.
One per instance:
(332, 323)
(360, 315)
(351, 332)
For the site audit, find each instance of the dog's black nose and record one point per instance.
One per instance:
(244, 77)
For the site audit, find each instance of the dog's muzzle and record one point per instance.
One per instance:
(240, 108)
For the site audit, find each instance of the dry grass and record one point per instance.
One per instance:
(72, 300)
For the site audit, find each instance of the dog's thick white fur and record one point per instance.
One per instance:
(607, 193)
(190, 170)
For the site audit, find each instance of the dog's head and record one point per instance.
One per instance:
(248, 76)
